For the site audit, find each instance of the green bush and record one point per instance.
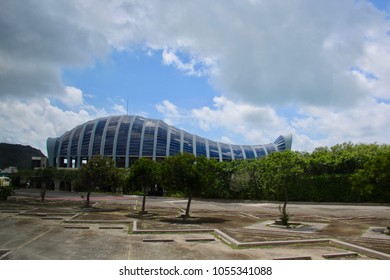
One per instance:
(5, 192)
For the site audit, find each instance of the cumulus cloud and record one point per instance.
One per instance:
(32, 121)
(327, 59)
(263, 52)
(170, 112)
(253, 122)
(72, 97)
(39, 39)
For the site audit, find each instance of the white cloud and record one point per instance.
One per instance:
(312, 126)
(119, 109)
(330, 59)
(170, 112)
(191, 68)
(33, 120)
(72, 97)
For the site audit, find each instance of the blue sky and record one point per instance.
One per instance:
(239, 72)
(142, 80)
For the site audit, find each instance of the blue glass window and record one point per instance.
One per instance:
(260, 151)
(135, 140)
(188, 146)
(270, 148)
(248, 151)
(98, 137)
(225, 150)
(64, 145)
(161, 147)
(174, 146)
(213, 149)
(86, 139)
(122, 137)
(110, 135)
(200, 147)
(147, 148)
(75, 141)
(237, 151)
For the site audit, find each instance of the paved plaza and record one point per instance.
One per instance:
(60, 229)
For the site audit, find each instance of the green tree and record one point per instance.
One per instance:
(182, 173)
(240, 180)
(142, 175)
(97, 174)
(372, 181)
(46, 176)
(280, 170)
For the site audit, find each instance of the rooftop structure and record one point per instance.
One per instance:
(128, 138)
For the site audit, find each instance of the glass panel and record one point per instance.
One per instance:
(161, 147)
(200, 147)
(98, 137)
(64, 145)
(213, 148)
(270, 148)
(174, 146)
(225, 150)
(248, 151)
(75, 141)
(147, 149)
(135, 140)
(86, 139)
(188, 146)
(260, 151)
(122, 137)
(110, 135)
(237, 152)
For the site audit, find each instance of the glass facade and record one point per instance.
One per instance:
(110, 136)
(127, 138)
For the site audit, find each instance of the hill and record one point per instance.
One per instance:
(17, 155)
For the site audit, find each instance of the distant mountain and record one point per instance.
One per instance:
(17, 155)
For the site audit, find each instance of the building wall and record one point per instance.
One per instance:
(127, 138)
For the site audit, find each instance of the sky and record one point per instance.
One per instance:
(240, 72)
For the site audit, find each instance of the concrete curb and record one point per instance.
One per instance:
(230, 240)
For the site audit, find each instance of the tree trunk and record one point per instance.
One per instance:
(143, 203)
(284, 217)
(187, 214)
(43, 193)
(87, 203)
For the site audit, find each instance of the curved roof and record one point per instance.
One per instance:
(126, 138)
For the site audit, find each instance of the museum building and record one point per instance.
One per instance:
(127, 138)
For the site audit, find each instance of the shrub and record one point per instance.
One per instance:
(5, 192)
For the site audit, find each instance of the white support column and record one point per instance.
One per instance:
(169, 132)
(181, 141)
(219, 151)
(254, 151)
(194, 144)
(141, 144)
(231, 152)
(206, 142)
(243, 151)
(157, 125)
(128, 142)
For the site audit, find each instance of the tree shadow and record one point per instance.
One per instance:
(193, 220)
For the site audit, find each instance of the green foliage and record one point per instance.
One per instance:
(186, 174)
(142, 176)
(5, 192)
(371, 182)
(342, 173)
(97, 175)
